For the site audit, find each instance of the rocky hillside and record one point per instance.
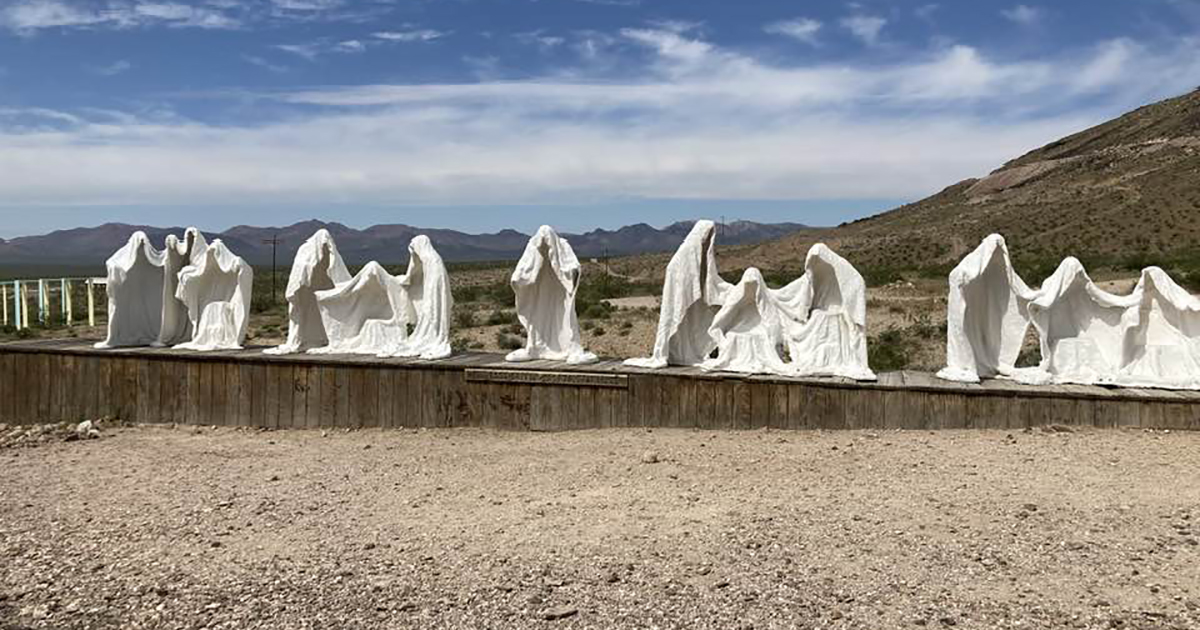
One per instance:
(1128, 189)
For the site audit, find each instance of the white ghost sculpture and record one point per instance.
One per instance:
(748, 330)
(176, 327)
(693, 292)
(217, 291)
(366, 315)
(545, 281)
(318, 267)
(135, 294)
(987, 315)
(429, 302)
(1162, 336)
(826, 323)
(1082, 329)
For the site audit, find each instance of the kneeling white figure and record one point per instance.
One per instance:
(692, 294)
(748, 330)
(365, 315)
(217, 292)
(1082, 329)
(825, 323)
(429, 302)
(1162, 338)
(318, 267)
(135, 294)
(545, 282)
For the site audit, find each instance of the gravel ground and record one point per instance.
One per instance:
(225, 528)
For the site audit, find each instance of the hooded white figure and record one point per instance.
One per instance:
(545, 281)
(826, 323)
(749, 330)
(366, 315)
(1081, 327)
(693, 292)
(217, 292)
(176, 327)
(135, 294)
(987, 315)
(318, 267)
(1162, 338)
(427, 286)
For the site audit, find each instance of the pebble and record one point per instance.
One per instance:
(559, 612)
(650, 457)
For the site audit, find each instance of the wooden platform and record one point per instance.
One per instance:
(52, 381)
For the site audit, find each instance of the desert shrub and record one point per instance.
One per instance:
(515, 328)
(464, 318)
(880, 276)
(626, 325)
(501, 318)
(588, 325)
(595, 310)
(889, 351)
(599, 331)
(509, 342)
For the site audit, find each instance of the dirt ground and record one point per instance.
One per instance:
(227, 528)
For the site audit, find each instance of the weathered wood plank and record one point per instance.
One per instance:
(329, 406)
(343, 393)
(314, 405)
(779, 406)
(272, 392)
(742, 405)
(287, 397)
(299, 391)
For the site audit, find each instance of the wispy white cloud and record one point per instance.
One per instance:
(697, 121)
(926, 11)
(802, 29)
(1024, 15)
(540, 39)
(865, 27)
(28, 16)
(111, 69)
(264, 64)
(414, 35)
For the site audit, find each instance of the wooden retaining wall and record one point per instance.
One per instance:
(52, 381)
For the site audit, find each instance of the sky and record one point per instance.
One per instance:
(484, 114)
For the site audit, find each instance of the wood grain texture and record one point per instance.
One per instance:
(50, 381)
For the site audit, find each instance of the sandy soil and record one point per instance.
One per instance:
(184, 528)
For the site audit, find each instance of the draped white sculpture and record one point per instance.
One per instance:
(987, 315)
(1082, 329)
(176, 327)
(429, 301)
(1162, 335)
(366, 315)
(318, 267)
(748, 329)
(217, 292)
(135, 294)
(693, 292)
(545, 281)
(826, 328)
(1088, 336)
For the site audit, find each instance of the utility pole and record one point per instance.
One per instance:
(274, 243)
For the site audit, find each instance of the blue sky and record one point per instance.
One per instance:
(482, 114)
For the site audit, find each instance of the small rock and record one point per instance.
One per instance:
(649, 457)
(559, 612)
(86, 430)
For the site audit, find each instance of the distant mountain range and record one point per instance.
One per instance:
(388, 244)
